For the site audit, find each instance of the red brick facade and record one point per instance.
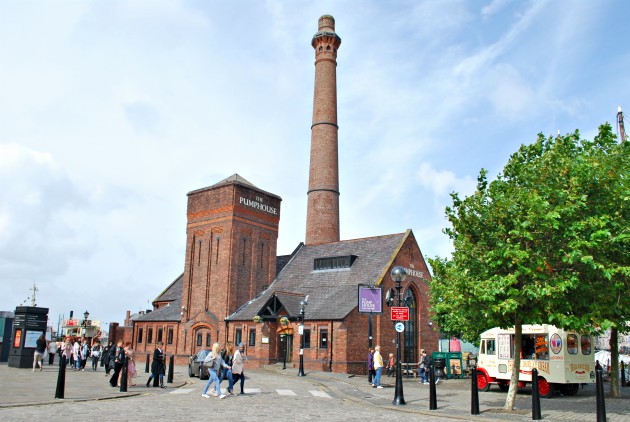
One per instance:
(346, 346)
(231, 243)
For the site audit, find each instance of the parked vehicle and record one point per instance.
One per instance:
(195, 365)
(564, 360)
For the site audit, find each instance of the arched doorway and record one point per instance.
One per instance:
(410, 350)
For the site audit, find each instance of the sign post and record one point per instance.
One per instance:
(400, 313)
(370, 302)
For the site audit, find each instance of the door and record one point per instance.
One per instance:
(285, 343)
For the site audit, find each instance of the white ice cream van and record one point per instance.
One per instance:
(564, 360)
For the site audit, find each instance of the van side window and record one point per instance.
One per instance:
(586, 344)
(491, 347)
(572, 344)
(542, 347)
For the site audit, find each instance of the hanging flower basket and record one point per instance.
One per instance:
(257, 319)
(284, 321)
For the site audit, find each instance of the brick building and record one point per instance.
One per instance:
(234, 287)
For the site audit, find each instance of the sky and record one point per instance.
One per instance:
(112, 111)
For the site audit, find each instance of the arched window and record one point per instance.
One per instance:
(410, 351)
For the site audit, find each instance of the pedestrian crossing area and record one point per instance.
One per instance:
(257, 391)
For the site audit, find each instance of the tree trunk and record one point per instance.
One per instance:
(518, 340)
(614, 363)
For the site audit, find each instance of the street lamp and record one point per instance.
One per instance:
(86, 315)
(303, 304)
(398, 275)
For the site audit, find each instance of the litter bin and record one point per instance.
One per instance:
(439, 364)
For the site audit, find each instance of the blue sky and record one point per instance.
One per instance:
(111, 111)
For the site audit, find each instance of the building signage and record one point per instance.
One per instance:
(400, 313)
(258, 204)
(370, 300)
(400, 327)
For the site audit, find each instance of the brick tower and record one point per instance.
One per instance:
(322, 215)
(232, 234)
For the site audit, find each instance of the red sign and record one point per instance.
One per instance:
(400, 313)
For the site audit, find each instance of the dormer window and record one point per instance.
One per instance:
(334, 262)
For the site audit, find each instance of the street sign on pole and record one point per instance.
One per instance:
(400, 327)
(400, 313)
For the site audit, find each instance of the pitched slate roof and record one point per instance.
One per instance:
(170, 312)
(332, 293)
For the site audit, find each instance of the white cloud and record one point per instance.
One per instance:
(443, 182)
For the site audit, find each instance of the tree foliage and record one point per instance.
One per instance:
(546, 242)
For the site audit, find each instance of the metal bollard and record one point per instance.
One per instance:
(474, 393)
(536, 416)
(170, 369)
(623, 373)
(123, 376)
(61, 379)
(432, 396)
(599, 392)
(146, 368)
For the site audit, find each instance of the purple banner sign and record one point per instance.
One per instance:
(370, 300)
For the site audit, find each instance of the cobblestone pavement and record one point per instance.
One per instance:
(273, 394)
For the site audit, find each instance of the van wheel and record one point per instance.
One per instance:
(570, 389)
(201, 376)
(190, 372)
(545, 390)
(504, 385)
(482, 382)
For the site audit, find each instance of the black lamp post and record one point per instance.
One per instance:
(86, 315)
(398, 275)
(303, 304)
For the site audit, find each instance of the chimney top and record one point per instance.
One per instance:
(326, 24)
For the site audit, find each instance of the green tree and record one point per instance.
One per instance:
(546, 242)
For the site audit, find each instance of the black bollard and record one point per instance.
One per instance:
(61, 379)
(623, 373)
(536, 416)
(432, 396)
(170, 370)
(146, 368)
(474, 393)
(599, 392)
(123, 376)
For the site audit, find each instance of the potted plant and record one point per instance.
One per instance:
(257, 319)
(284, 321)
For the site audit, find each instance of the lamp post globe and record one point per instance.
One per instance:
(398, 275)
(302, 312)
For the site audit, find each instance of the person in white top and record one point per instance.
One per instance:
(52, 350)
(238, 366)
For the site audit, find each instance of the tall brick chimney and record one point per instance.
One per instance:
(322, 216)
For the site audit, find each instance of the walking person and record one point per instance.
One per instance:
(214, 362)
(119, 358)
(158, 368)
(76, 355)
(84, 353)
(378, 367)
(112, 358)
(131, 365)
(52, 350)
(238, 367)
(227, 355)
(423, 365)
(96, 354)
(370, 365)
(67, 352)
(106, 356)
(40, 349)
